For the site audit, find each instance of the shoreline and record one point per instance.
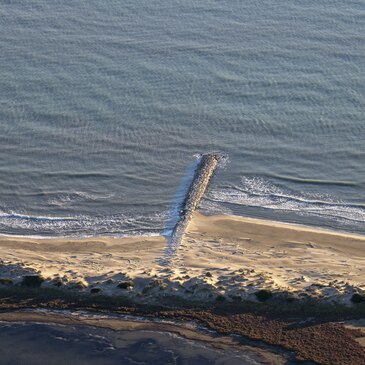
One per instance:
(219, 256)
(80, 237)
(285, 285)
(282, 224)
(242, 218)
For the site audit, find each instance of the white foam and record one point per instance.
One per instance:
(121, 225)
(257, 192)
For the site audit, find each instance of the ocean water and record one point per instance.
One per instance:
(104, 105)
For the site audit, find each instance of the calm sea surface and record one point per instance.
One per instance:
(104, 105)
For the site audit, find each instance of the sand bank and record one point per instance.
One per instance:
(219, 256)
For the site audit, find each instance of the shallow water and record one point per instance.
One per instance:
(34, 344)
(105, 104)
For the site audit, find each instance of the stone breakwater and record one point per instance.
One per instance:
(203, 174)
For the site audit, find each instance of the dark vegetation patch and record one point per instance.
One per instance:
(358, 298)
(125, 285)
(32, 281)
(220, 298)
(263, 295)
(57, 282)
(290, 299)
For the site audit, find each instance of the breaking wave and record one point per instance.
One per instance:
(115, 225)
(261, 193)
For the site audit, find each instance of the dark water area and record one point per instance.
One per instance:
(103, 106)
(36, 344)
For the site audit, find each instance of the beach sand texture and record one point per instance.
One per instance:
(219, 255)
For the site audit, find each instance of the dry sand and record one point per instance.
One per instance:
(219, 255)
(276, 256)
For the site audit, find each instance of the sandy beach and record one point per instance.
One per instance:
(222, 264)
(219, 256)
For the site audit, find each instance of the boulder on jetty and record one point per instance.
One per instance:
(203, 173)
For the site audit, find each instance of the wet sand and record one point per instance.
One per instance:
(187, 331)
(308, 339)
